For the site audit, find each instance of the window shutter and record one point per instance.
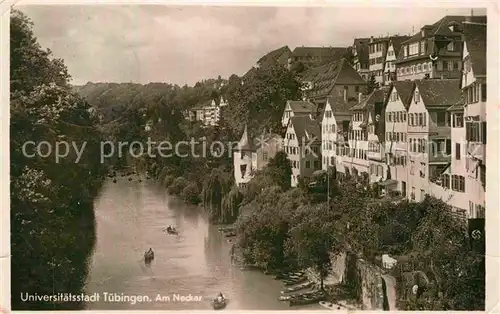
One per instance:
(483, 129)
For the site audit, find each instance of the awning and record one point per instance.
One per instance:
(388, 182)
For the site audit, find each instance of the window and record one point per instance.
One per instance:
(308, 164)
(412, 193)
(422, 47)
(483, 92)
(316, 164)
(356, 89)
(457, 151)
(445, 65)
(413, 49)
(446, 181)
(448, 146)
(456, 65)
(475, 131)
(441, 118)
(458, 121)
(422, 194)
(264, 156)
(412, 167)
(458, 183)
(404, 116)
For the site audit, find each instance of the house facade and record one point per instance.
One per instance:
(331, 80)
(208, 113)
(393, 48)
(297, 108)
(378, 52)
(360, 54)
(334, 125)
(475, 97)
(435, 51)
(302, 144)
(396, 130)
(429, 133)
(253, 155)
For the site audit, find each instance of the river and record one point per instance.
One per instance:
(130, 216)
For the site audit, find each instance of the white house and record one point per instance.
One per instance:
(252, 155)
(474, 90)
(334, 124)
(297, 108)
(302, 144)
(429, 133)
(396, 132)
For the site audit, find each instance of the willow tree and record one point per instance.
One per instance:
(217, 185)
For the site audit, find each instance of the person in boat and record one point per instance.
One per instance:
(220, 297)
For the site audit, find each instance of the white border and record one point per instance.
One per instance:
(493, 114)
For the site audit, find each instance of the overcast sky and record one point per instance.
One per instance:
(186, 44)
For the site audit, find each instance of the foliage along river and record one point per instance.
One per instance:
(130, 216)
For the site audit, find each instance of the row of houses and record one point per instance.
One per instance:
(433, 52)
(208, 113)
(412, 137)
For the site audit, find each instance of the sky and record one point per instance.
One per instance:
(185, 44)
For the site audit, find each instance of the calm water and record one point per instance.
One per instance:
(130, 216)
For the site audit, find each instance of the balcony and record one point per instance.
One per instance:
(476, 150)
(439, 158)
(374, 155)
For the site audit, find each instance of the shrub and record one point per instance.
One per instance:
(177, 186)
(191, 193)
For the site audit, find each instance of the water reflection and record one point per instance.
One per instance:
(131, 217)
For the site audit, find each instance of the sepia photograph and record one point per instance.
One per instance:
(237, 157)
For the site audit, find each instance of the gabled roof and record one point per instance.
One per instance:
(334, 53)
(276, 56)
(305, 128)
(475, 38)
(339, 105)
(327, 76)
(396, 42)
(376, 96)
(245, 143)
(405, 91)
(441, 26)
(299, 106)
(439, 92)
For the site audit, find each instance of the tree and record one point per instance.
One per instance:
(52, 222)
(314, 240)
(280, 171)
(372, 84)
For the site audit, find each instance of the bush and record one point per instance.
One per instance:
(177, 186)
(191, 193)
(168, 180)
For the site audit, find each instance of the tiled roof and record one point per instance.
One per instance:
(396, 43)
(321, 52)
(475, 38)
(245, 143)
(405, 91)
(327, 76)
(302, 106)
(306, 128)
(339, 105)
(441, 26)
(439, 92)
(376, 96)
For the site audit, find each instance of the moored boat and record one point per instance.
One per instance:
(305, 285)
(307, 298)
